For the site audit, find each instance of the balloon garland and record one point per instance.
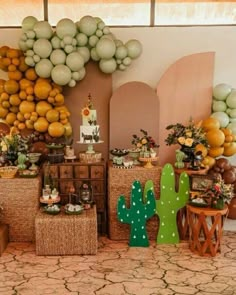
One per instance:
(62, 54)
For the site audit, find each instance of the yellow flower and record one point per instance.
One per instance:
(189, 133)
(144, 141)
(181, 140)
(188, 142)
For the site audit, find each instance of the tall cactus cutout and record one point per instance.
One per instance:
(137, 214)
(169, 204)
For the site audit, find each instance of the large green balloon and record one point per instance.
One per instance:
(43, 48)
(75, 61)
(105, 48)
(134, 48)
(88, 25)
(108, 66)
(66, 27)
(231, 100)
(61, 75)
(58, 57)
(28, 23)
(222, 117)
(43, 29)
(221, 91)
(43, 68)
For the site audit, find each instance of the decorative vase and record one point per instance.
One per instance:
(219, 204)
(11, 156)
(189, 153)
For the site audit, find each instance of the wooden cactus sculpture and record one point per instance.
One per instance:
(137, 215)
(169, 204)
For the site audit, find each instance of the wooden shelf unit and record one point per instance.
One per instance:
(67, 175)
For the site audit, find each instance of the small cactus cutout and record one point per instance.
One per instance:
(169, 204)
(137, 215)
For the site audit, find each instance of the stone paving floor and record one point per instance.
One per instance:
(118, 270)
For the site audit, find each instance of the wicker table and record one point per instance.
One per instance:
(64, 234)
(119, 183)
(20, 200)
(205, 229)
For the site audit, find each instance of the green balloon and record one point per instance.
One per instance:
(36, 58)
(69, 48)
(61, 75)
(101, 25)
(75, 61)
(99, 33)
(231, 99)
(30, 43)
(43, 29)
(84, 52)
(219, 106)
(88, 25)
(107, 66)
(29, 52)
(94, 55)
(221, 91)
(121, 52)
(43, 68)
(30, 34)
(72, 83)
(56, 42)
(66, 27)
(58, 57)
(23, 37)
(93, 40)
(22, 45)
(127, 61)
(29, 61)
(106, 30)
(28, 23)
(75, 76)
(122, 67)
(82, 73)
(43, 48)
(233, 113)
(82, 39)
(222, 117)
(105, 48)
(134, 48)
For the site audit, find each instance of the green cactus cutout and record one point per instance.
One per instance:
(137, 214)
(148, 186)
(169, 204)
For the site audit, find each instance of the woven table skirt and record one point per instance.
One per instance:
(64, 234)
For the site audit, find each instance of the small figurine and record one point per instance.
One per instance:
(22, 158)
(179, 158)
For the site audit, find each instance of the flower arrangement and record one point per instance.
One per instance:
(144, 141)
(89, 106)
(189, 135)
(219, 192)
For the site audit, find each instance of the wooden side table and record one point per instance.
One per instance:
(205, 229)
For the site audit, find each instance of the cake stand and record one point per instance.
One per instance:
(90, 149)
(148, 161)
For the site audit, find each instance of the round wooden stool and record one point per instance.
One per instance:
(205, 229)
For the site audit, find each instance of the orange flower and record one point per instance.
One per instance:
(85, 112)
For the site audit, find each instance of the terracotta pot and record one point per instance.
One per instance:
(232, 209)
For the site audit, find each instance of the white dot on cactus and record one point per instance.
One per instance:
(145, 208)
(118, 213)
(169, 202)
(162, 237)
(123, 206)
(142, 227)
(145, 216)
(134, 237)
(177, 198)
(173, 212)
(138, 212)
(132, 221)
(134, 203)
(148, 202)
(182, 181)
(139, 190)
(140, 200)
(127, 215)
(121, 220)
(173, 235)
(133, 186)
(144, 237)
(162, 203)
(163, 187)
(186, 193)
(163, 223)
(154, 210)
(138, 220)
(172, 173)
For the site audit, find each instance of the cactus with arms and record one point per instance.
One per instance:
(169, 204)
(137, 214)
